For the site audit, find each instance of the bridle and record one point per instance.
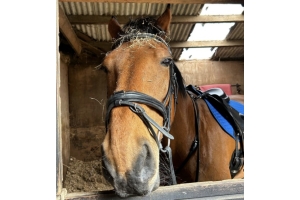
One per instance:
(133, 99)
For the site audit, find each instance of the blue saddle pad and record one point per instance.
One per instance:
(221, 120)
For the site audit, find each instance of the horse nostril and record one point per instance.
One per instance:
(146, 154)
(145, 165)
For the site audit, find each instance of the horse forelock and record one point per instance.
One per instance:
(140, 30)
(143, 25)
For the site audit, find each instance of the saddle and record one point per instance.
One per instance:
(230, 116)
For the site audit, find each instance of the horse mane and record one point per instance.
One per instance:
(180, 81)
(148, 25)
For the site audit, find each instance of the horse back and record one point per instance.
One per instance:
(216, 146)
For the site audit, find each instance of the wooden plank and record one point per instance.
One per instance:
(188, 44)
(103, 45)
(59, 166)
(93, 49)
(83, 36)
(211, 43)
(68, 32)
(159, 1)
(97, 19)
(207, 19)
(227, 189)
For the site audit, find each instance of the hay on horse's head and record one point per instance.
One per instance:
(143, 25)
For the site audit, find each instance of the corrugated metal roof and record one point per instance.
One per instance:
(228, 53)
(231, 53)
(179, 32)
(129, 9)
(236, 32)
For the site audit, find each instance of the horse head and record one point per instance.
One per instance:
(141, 85)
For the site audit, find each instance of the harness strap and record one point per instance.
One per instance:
(132, 96)
(142, 114)
(196, 142)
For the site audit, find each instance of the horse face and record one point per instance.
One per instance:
(130, 153)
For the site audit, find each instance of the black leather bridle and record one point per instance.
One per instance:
(133, 99)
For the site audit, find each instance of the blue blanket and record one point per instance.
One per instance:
(221, 120)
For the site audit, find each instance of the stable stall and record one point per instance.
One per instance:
(81, 88)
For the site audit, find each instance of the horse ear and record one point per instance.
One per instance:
(165, 19)
(114, 28)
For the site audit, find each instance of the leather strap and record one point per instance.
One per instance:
(196, 142)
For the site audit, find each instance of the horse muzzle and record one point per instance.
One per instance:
(141, 179)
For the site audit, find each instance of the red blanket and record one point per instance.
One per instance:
(225, 87)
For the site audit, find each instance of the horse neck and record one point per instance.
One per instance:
(183, 125)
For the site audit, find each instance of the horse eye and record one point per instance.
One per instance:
(166, 62)
(102, 67)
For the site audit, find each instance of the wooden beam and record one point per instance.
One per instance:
(103, 45)
(159, 1)
(93, 49)
(226, 189)
(83, 36)
(188, 44)
(97, 19)
(67, 30)
(207, 19)
(84, 42)
(212, 43)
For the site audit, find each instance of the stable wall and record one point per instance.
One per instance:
(87, 95)
(206, 72)
(87, 91)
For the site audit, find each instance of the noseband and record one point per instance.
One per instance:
(133, 99)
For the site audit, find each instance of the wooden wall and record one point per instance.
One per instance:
(87, 95)
(87, 92)
(206, 72)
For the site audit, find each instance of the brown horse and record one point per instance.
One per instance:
(149, 105)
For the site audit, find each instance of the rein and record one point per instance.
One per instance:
(133, 99)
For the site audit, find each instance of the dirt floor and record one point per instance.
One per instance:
(85, 176)
(84, 172)
(85, 143)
